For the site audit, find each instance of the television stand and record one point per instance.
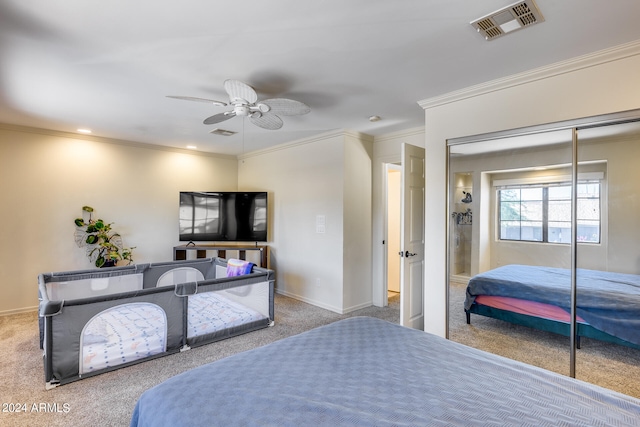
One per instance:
(203, 251)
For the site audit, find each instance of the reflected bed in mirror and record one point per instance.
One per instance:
(608, 304)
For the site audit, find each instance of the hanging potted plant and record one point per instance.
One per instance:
(103, 245)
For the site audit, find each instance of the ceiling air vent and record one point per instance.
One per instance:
(223, 132)
(506, 20)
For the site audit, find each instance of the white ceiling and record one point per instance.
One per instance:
(109, 65)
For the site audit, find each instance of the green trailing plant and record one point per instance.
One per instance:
(103, 245)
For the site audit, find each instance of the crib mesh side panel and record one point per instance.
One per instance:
(205, 265)
(67, 326)
(89, 283)
(93, 287)
(214, 313)
(122, 334)
(254, 296)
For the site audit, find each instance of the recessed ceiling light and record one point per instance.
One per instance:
(192, 147)
(84, 130)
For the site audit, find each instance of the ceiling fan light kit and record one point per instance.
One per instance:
(244, 100)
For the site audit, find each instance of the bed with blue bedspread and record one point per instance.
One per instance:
(607, 303)
(368, 372)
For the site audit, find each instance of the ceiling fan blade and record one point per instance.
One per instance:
(220, 117)
(287, 107)
(266, 121)
(240, 91)
(191, 98)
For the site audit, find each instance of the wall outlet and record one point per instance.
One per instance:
(320, 224)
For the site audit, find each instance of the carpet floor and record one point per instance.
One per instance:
(608, 365)
(108, 399)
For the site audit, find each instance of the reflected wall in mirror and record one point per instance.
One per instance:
(511, 265)
(461, 222)
(608, 274)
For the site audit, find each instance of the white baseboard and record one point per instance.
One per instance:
(309, 301)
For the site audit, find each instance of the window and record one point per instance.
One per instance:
(542, 212)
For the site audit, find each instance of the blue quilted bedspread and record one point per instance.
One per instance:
(607, 301)
(369, 372)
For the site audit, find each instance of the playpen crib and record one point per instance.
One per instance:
(95, 321)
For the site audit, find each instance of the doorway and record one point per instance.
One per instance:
(393, 206)
(409, 255)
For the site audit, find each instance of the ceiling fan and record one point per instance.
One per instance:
(244, 100)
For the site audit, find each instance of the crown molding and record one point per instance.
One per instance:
(308, 140)
(586, 61)
(101, 139)
(400, 134)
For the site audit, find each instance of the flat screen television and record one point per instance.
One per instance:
(237, 216)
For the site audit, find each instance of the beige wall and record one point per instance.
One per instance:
(358, 154)
(601, 83)
(328, 176)
(46, 178)
(623, 230)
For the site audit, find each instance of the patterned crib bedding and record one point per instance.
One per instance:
(211, 312)
(122, 334)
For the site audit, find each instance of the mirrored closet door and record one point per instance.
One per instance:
(542, 225)
(608, 256)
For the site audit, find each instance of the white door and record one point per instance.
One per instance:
(412, 238)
